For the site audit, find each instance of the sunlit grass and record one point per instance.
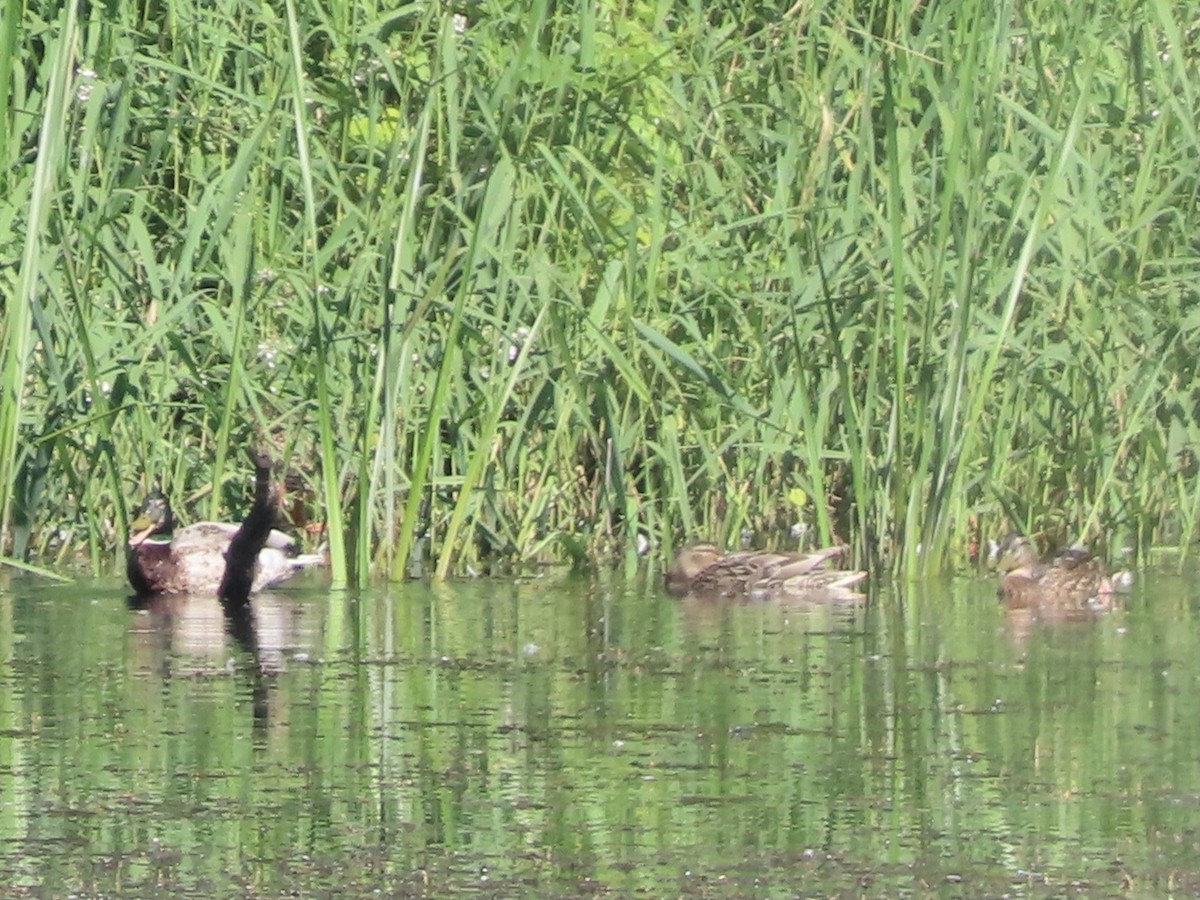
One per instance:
(542, 286)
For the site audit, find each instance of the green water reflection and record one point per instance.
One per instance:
(556, 738)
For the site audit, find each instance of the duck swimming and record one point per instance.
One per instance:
(1074, 580)
(702, 570)
(163, 560)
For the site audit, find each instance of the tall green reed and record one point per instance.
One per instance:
(24, 308)
(545, 285)
(332, 492)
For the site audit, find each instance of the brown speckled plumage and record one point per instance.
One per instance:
(703, 570)
(1074, 580)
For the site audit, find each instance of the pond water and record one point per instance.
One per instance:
(562, 737)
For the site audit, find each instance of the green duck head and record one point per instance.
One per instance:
(155, 521)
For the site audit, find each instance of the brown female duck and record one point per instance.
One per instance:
(702, 570)
(1074, 580)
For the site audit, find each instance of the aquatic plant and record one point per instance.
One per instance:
(531, 284)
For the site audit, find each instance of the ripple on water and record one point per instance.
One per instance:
(568, 737)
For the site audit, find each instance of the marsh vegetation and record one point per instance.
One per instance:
(528, 283)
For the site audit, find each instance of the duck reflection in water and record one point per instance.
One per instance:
(195, 586)
(196, 635)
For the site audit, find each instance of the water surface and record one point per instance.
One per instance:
(563, 737)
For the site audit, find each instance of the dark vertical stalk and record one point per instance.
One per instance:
(241, 559)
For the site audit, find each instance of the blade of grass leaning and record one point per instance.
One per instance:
(495, 209)
(23, 566)
(333, 495)
(395, 347)
(10, 34)
(483, 449)
(18, 334)
(238, 264)
(1045, 203)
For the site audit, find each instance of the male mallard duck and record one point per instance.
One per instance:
(703, 570)
(192, 560)
(1075, 580)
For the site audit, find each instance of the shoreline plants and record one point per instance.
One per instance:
(549, 283)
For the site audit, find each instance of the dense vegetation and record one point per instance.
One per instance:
(545, 282)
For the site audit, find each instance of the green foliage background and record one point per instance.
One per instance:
(528, 282)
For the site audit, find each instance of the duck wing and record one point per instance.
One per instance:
(808, 575)
(213, 535)
(732, 574)
(765, 575)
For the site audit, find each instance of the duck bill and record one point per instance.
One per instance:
(144, 531)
